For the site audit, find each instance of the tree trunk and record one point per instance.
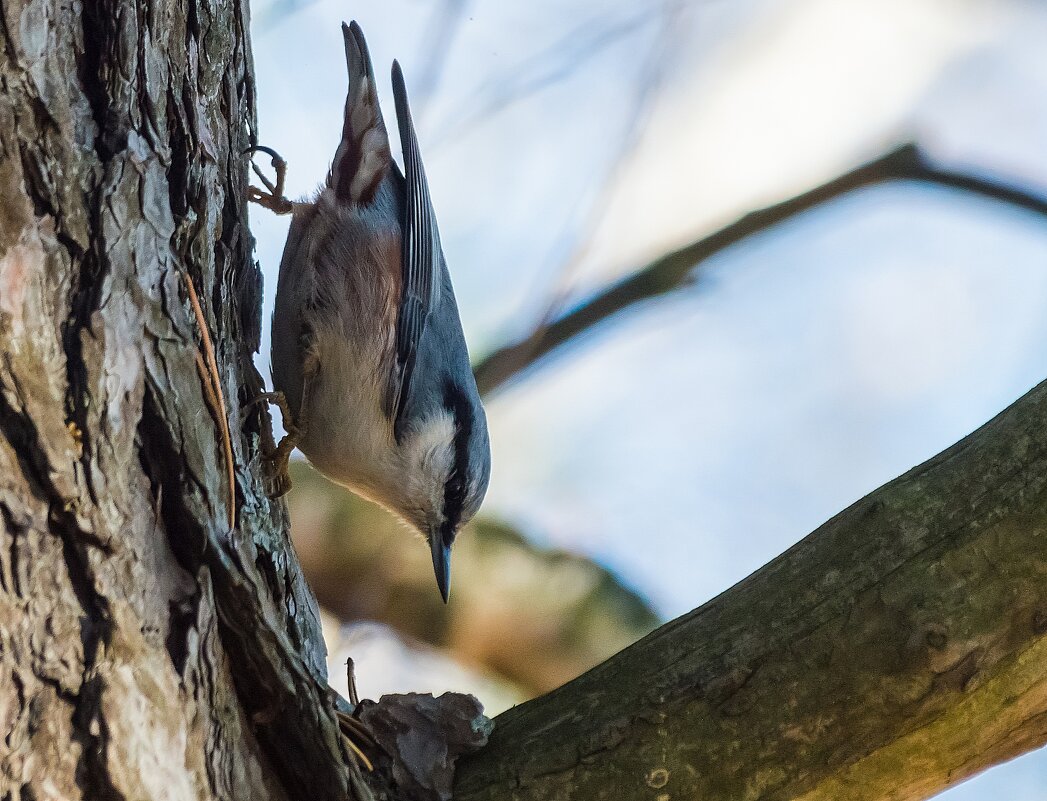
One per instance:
(147, 649)
(896, 650)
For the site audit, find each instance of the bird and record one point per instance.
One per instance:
(369, 360)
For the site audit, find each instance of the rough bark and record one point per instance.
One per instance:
(150, 650)
(146, 650)
(898, 649)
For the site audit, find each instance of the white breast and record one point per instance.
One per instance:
(349, 438)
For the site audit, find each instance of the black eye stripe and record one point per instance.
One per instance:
(456, 402)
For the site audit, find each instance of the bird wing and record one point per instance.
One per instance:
(420, 252)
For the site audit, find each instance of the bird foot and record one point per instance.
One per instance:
(273, 199)
(278, 476)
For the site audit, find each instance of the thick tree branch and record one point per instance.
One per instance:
(675, 269)
(896, 650)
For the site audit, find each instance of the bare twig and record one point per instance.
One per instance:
(350, 674)
(211, 381)
(441, 31)
(659, 62)
(546, 68)
(669, 272)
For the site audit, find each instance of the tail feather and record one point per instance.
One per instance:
(363, 156)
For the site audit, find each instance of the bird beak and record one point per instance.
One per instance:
(441, 563)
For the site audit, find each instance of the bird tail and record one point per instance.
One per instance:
(362, 157)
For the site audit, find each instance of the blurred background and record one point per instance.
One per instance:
(661, 456)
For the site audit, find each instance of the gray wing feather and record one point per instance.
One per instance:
(421, 252)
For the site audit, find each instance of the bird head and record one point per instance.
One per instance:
(446, 466)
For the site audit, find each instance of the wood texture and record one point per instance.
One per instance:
(146, 651)
(896, 650)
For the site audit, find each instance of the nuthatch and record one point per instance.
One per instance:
(368, 350)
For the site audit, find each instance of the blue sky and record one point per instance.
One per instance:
(691, 440)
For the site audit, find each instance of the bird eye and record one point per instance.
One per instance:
(455, 486)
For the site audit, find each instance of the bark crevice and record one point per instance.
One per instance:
(144, 651)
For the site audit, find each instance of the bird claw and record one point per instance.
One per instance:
(272, 199)
(278, 475)
(275, 204)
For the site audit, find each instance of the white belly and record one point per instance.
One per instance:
(347, 435)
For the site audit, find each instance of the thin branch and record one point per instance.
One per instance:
(441, 31)
(546, 68)
(660, 59)
(676, 269)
